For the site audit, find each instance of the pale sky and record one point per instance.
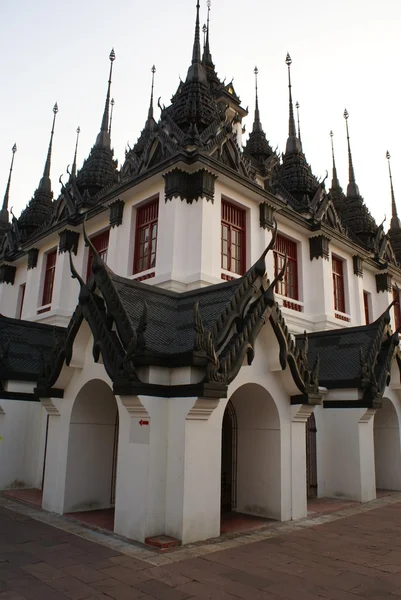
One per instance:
(345, 55)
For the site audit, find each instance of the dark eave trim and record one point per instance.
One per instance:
(348, 403)
(25, 396)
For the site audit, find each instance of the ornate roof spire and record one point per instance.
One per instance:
(111, 114)
(335, 184)
(257, 125)
(150, 112)
(74, 164)
(103, 138)
(293, 144)
(207, 57)
(4, 210)
(395, 222)
(45, 183)
(196, 71)
(352, 188)
(299, 127)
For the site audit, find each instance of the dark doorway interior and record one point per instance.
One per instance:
(229, 460)
(311, 460)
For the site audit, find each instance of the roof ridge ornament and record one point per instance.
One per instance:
(150, 112)
(103, 138)
(352, 188)
(4, 217)
(112, 103)
(293, 143)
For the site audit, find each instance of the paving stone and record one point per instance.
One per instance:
(84, 573)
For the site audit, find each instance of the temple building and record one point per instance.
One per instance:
(204, 329)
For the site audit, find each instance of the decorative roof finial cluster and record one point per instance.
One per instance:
(293, 144)
(4, 210)
(352, 188)
(103, 138)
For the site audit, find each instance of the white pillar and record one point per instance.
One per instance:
(56, 457)
(318, 299)
(193, 469)
(300, 415)
(349, 453)
(141, 467)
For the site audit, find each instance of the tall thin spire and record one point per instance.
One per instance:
(257, 126)
(196, 52)
(45, 183)
(112, 103)
(394, 221)
(207, 57)
(352, 188)
(4, 210)
(150, 112)
(196, 72)
(299, 127)
(103, 138)
(74, 164)
(293, 144)
(335, 184)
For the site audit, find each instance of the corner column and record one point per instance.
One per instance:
(193, 484)
(300, 415)
(349, 453)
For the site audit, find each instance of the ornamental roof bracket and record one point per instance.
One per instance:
(114, 306)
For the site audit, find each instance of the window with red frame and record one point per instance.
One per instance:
(49, 277)
(366, 307)
(338, 284)
(397, 309)
(101, 244)
(146, 236)
(233, 221)
(288, 286)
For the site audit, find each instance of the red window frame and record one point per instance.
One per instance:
(366, 307)
(49, 277)
(101, 244)
(338, 284)
(21, 299)
(233, 238)
(146, 228)
(397, 308)
(288, 286)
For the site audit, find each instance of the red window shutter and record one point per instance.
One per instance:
(101, 245)
(397, 309)
(233, 239)
(338, 284)
(146, 236)
(288, 286)
(366, 307)
(49, 277)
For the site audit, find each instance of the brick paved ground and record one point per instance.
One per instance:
(344, 559)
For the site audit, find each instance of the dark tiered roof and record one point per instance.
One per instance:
(24, 348)
(355, 357)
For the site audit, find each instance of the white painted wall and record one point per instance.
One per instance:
(22, 427)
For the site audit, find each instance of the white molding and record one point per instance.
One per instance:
(202, 409)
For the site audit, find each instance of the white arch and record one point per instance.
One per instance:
(258, 452)
(387, 446)
(90, 448)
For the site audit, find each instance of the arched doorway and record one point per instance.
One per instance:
(311, 457)
(386, 431)
(229, 460)
(251, 444)
(92, 449)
